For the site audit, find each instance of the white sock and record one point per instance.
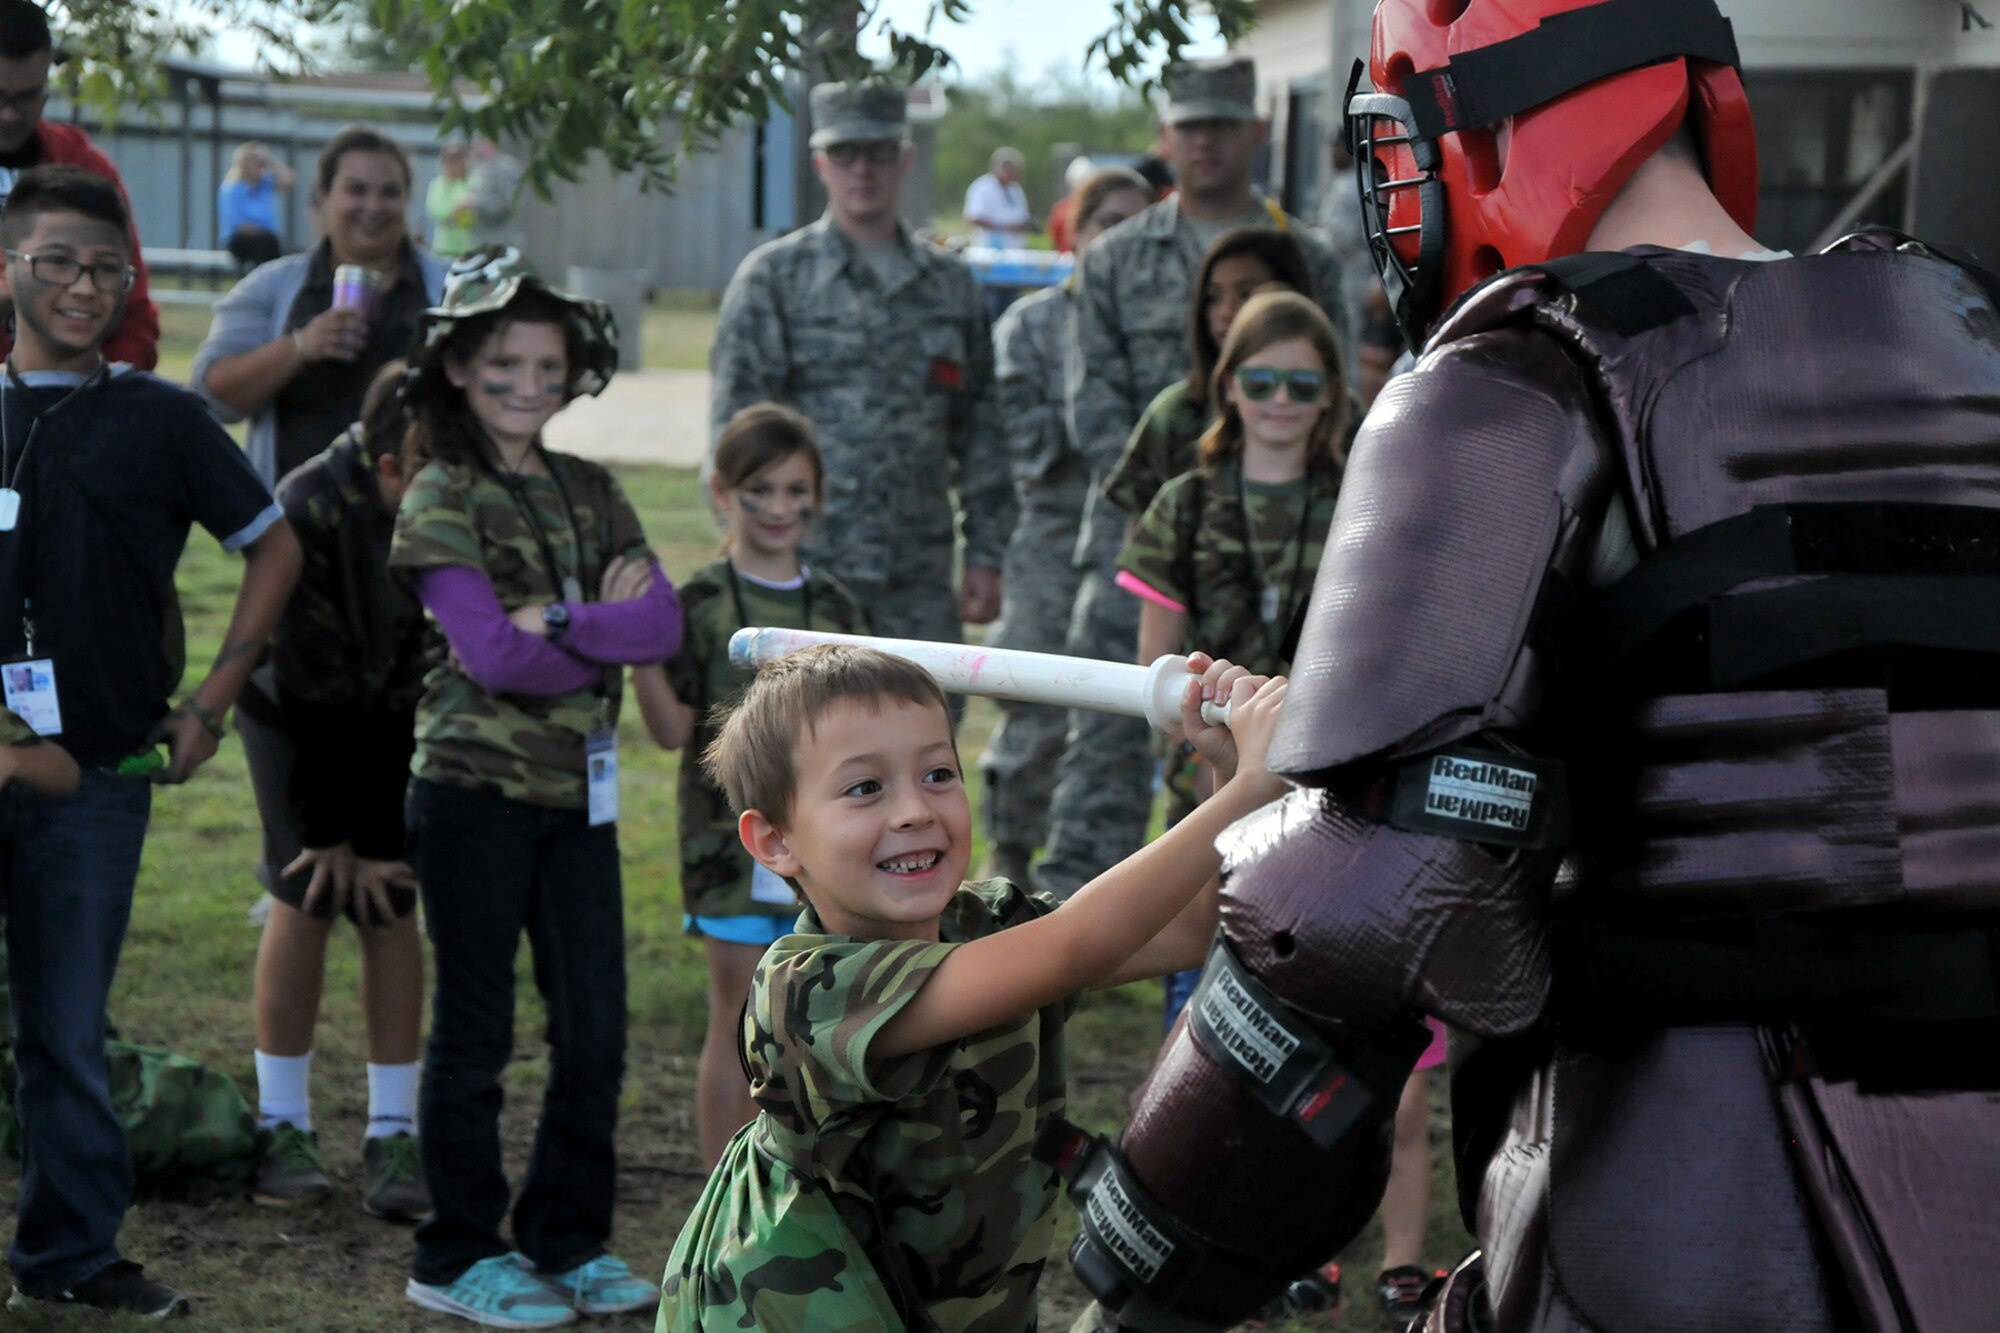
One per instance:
(284, 1090)
(392, 1099)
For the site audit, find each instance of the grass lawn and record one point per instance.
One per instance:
(186, 984)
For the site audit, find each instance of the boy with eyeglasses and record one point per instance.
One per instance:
(102, 471)
(881, 341)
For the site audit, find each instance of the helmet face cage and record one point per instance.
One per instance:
(1402, 203)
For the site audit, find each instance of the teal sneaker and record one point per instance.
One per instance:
(605, 1285)
(499, 1293)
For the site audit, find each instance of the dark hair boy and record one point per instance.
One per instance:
(102, 472)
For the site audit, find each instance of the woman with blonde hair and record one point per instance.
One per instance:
(246, 205)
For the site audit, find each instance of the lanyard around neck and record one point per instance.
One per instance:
(569, 586)
(1281, 613)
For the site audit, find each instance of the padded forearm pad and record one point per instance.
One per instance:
(1357, 924)
(1249, 1180)
(1345, 931)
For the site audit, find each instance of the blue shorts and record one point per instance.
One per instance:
(758, 929)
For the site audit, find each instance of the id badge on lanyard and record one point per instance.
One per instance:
(31, 694)
(600, 749)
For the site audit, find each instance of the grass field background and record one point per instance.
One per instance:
(185, 983)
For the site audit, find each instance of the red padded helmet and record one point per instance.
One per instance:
(1593, 87)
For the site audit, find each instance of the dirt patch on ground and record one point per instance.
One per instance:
(334, 1267)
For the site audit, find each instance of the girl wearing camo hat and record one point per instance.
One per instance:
(533, 566)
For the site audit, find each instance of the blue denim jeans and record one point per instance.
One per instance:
(492, 870)
(67, 867)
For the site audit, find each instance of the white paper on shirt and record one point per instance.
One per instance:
(600, 750)
(31, 694)
(767, 886)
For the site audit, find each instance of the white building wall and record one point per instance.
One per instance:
(1293, 40)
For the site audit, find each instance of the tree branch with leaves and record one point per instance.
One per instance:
(569, 79)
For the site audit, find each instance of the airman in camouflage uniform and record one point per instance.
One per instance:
(1051, 484)
(525, 747)
(1129, 342)
(715, 870)
(875, 1194)
(881, 341)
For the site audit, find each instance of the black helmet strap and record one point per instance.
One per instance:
(1564, 52)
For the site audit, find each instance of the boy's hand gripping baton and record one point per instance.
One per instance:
(1152, 692)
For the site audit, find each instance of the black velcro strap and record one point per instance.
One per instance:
(1629, 293)
(1771, 970)
(1755, 636)
(1131, 1253)
(1777, 541)
(1287, 1067)
(1484, 796)
(1562, 54)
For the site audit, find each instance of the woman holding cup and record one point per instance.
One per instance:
(295, 343)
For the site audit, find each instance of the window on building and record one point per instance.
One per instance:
(1309, 118)
(1821, 134)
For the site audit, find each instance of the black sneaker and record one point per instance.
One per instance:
(1402, 1290)
(291, 1172)
(119, 1288)
(393, 1179)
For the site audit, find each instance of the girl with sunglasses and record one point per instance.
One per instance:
(1224, 555)
(1224, 559)
(1240, 264)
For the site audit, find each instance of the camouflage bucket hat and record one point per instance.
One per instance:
(488, 282)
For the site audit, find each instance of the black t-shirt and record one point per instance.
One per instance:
(113, 480)
(324, 398)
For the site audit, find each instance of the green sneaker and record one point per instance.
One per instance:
(605, 1285)
(392, 1185)
(291, 1172)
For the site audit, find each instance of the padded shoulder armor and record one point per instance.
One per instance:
(1477, 476)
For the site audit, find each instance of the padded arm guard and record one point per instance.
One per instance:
(1470, 496)
(1339, 932)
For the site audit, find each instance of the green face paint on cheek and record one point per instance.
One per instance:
(496, 388)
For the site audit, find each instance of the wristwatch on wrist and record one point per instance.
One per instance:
(555, 621)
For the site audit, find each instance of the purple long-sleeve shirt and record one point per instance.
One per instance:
(502, 658)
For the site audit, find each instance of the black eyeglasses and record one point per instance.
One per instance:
(62, 271)
(876, 152)
(1260, 382)
(25, 103)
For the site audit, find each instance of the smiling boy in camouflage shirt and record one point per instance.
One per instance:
(905, 1044)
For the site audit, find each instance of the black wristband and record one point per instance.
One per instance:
(210, 722)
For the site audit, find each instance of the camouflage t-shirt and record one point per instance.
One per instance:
(1189, 546)
(527, 747)
(870, 1190)
(715, 870)
(1163, 445)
